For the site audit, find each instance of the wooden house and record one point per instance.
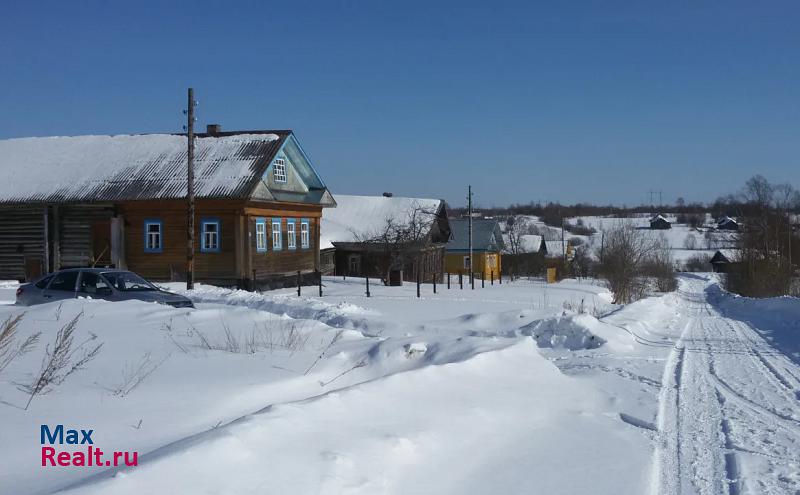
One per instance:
(119, 201)
(723, 259)
(727, 223)
(659, 222)
(387, 237)
(487, 247)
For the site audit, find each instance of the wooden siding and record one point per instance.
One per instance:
(454, 262)
(22, 235)
(75, 234)
(237, 260)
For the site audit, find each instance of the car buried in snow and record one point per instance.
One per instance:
(96, 283)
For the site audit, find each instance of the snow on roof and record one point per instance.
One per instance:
(662, 217)
(528, 243)
(128, 167)
(364, 215)
(555, 249)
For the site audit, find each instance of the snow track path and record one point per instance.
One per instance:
(729, 408)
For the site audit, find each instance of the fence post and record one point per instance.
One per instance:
(483, 280)
(319, 281)
(434, 282)
(298, 283)
(491, 274)
(461, 279)
(417, 283)
(367, 280)
(500, 277)
(472, 279)
(448, 280)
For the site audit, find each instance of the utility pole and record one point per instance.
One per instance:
(469, 222)
(190, 191)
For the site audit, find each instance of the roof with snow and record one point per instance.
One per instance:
(153, 166)
(486, 235)
(528, 243)
(357, 217)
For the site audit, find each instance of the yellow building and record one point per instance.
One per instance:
(487, 246)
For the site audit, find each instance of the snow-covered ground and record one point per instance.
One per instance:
(518, 388)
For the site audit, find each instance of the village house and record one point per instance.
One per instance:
(388, 237)
(487, 247)
(120, 201)
(723, 260)
(727, 223)
(659, 222)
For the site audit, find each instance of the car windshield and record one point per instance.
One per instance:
(127, 281)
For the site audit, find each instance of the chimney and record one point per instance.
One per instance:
(388, 195)
(213, 129)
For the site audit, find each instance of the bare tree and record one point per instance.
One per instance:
(630, 256)
(398, 242)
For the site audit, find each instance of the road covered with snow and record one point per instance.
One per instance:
(516, 388)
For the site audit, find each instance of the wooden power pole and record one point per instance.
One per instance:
(469, 222)
(190, 192)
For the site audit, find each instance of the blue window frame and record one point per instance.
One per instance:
(210, 235)
(153, 235)
(277, 236)
(305, 233)
(291, 233)
(261, 234)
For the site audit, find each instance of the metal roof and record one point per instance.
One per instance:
(135, 167)
(486, 235)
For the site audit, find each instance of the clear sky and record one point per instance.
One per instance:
(571, 101)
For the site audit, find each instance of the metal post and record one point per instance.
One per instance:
(190, 192)
(483, 280)
(319, 281)
(299, 279)
(469, 222)
(491, 274)
(448, 280)
(417, 281)
(461, 279)
(367, 281)
(500, 277)
(434, 283)
(471, 278)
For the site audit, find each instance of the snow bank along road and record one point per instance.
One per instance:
(729, 408)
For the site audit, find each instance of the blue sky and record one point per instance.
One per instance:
(571, 101)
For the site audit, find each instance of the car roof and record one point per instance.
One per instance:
(90, 269)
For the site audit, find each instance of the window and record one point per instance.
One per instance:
(261, 234)
(355, 264)
(152, 235)
(92, 283)
(466, 262)
(280, 170)
(128, 281)
(277, 239)
(209, 236)
(43, 282)
(64, 281)
(304, 234)
(291, 234)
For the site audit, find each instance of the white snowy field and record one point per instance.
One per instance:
(504, 389)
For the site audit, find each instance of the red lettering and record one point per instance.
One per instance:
(63, 458)
(135, 461)
(117, 455)
(78, 459)
(47, 454)
(97, 455)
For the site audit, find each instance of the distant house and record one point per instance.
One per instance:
(723, 260)
(555, 249)
(386, 237)
(487, 247)
(727, 223)
(659, 222)
(119, 201)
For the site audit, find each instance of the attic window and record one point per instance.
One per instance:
(280, 170)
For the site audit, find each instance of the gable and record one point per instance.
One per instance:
(291, 177)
